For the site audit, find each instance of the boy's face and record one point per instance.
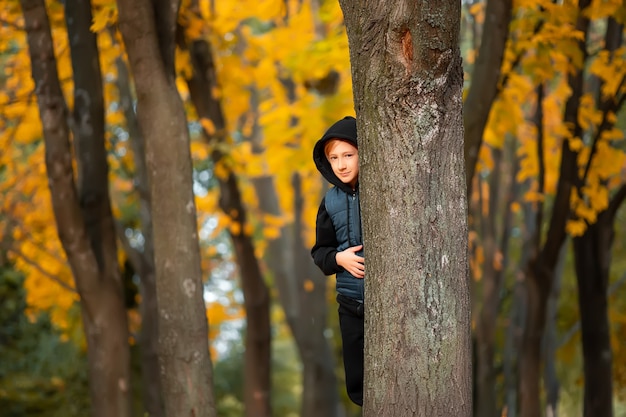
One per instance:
(344, 160)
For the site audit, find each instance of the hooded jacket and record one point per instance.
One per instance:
(338, 224)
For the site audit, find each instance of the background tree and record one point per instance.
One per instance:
(83, 214)
(149, 36)
(533, 23)
(283, 71)
(300, 289)
(484, 80)
(141, 258)
(592, 250)
(483, 89)
(202, 85)
(408, 95)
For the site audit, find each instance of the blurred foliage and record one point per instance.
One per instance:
(44, 373)
(257, 46)
(286, 371)
(41, 372)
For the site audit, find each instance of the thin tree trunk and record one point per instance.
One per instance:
(148, 31)
(407, 80)
(512, 347)
(484, 80)
(319, 383)
(496, 255)
(257, 377)
(301, 289)
(538, 280)
(302, 293)
(143, 262)
(540, 270)
(83, 217)
(549, 342)
(592, 252)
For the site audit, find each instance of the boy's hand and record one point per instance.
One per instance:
(351, 262)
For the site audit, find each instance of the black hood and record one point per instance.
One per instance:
(343, 129)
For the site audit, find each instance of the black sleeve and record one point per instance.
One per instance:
(325, 247)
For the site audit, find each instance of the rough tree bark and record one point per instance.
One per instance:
(407, 80)
(148, 30)
(83, 214)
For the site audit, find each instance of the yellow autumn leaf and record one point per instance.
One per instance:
(576, 227)
(478, 11)
(271, 233)
(584, 212)
(533, 196)
(602, 9)
(614, 134)
(476, 262)
(588, 115)
(208, 126)
(575, 144)
(199, 150)
(221, 170)
(115, 118)
(235, 228)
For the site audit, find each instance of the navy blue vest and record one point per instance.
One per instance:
(345, 214)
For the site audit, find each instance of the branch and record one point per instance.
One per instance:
(11, 24)
(38, 245)
(541, 162)
(518, 58)
(614, 107)
(617, 200)
(38, 267)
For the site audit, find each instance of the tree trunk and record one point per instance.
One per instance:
(541, 266)
(551, 385)
(492, 282)
(186, 375)
(305, 309)
(257, 375)
(301, 291)
(511, 349)
(484, 80)
(407, 80)
(143, 262)
(538, 283)
(592, 252)
(319, 383)
(84, 220)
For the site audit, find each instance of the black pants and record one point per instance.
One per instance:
(351, 323)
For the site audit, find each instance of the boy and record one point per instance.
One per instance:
(338, 245)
